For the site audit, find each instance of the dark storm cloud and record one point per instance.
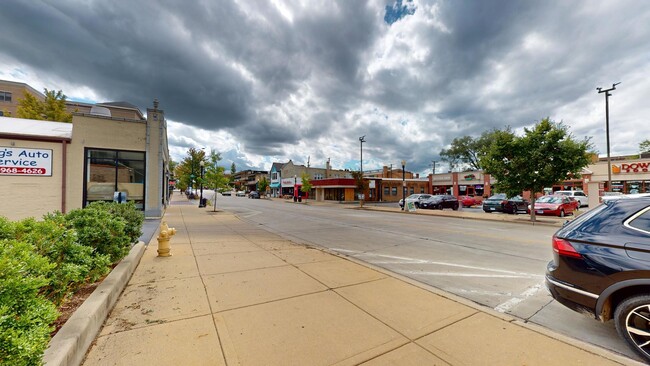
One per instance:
(318, 75)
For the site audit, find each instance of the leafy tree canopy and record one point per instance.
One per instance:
(51, 109)
(306, 182)
(215, 177)
(467, 151)
(262, 185)
(644, 146)
(545, 155)
(188, 171)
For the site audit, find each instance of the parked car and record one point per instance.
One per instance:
(240, 194)
(495, 203)
(515, 205)
(415, 198)
(575, 203)
(226, 193)
(254, 194)
(469, 201)
(553, 205)
(438, 202)
(601, 267)
(580, 196)
(624, 196)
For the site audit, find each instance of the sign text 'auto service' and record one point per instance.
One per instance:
(23, 161)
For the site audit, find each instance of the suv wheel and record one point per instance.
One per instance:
(455, 207)
(632, 318)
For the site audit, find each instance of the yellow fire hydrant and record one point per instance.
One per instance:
(165, 234)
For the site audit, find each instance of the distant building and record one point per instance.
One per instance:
(11, 92)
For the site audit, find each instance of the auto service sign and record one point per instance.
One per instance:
(23, 161)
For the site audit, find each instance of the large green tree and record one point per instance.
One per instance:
(51, 109)
(467, 151)
(188, 171)
(544, 155)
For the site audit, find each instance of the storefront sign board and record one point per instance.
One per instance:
(23, 161)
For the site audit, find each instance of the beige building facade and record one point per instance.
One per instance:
(56, 166)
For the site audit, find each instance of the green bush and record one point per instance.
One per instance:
(74, 264)
(6, 228)
(133, 217)
(100, 230)
(25, 315)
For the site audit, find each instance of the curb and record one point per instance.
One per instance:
(69, 346)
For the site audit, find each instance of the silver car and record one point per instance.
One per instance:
(415, 198)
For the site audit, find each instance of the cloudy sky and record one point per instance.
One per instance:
(272, 80)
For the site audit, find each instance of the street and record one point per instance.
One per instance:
(497, 264)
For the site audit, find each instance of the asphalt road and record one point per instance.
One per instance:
(496, 264)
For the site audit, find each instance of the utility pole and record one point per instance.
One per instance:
(361, 141)
(609, 158)
(433, 162)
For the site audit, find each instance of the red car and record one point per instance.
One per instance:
(555, 205)
(469, 201)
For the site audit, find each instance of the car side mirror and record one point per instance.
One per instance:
(566, 223)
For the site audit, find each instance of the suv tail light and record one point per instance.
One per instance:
(564, 248)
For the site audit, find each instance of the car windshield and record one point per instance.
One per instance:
(413, 196)
(549, 199)
(500, 196)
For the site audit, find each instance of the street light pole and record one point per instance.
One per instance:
(362, 140)
(403, 184)
(609, 158)
(201, 203)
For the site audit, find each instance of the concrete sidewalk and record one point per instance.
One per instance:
(233, 293)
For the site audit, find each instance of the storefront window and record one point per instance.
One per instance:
(386, 191)
(617, 186)
(110, 171)
(412, 190)
(634, 186)
(393, 191)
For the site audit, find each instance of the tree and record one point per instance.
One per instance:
(360, 183)
(545, 155)
(233, 170)
(188, 171)
(262, 185)
(468, 150)
(215, 177)
(51, 109)
(644, 146)
(306, 182)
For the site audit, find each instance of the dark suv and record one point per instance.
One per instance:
(601, 267)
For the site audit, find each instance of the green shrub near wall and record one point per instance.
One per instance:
(25, 315)
(99, 229)
(74, 264)
(42, 262)
(133, 218)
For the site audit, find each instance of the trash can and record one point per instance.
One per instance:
(204, 202)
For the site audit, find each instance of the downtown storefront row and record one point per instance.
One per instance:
(57, 166)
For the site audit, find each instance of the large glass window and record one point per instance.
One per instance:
(111, 171)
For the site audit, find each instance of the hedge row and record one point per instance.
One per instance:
(44, 262)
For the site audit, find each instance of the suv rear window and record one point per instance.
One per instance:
(641, 221)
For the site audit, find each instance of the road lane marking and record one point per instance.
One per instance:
(407, 260)
(506, 306)
(457, 274)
